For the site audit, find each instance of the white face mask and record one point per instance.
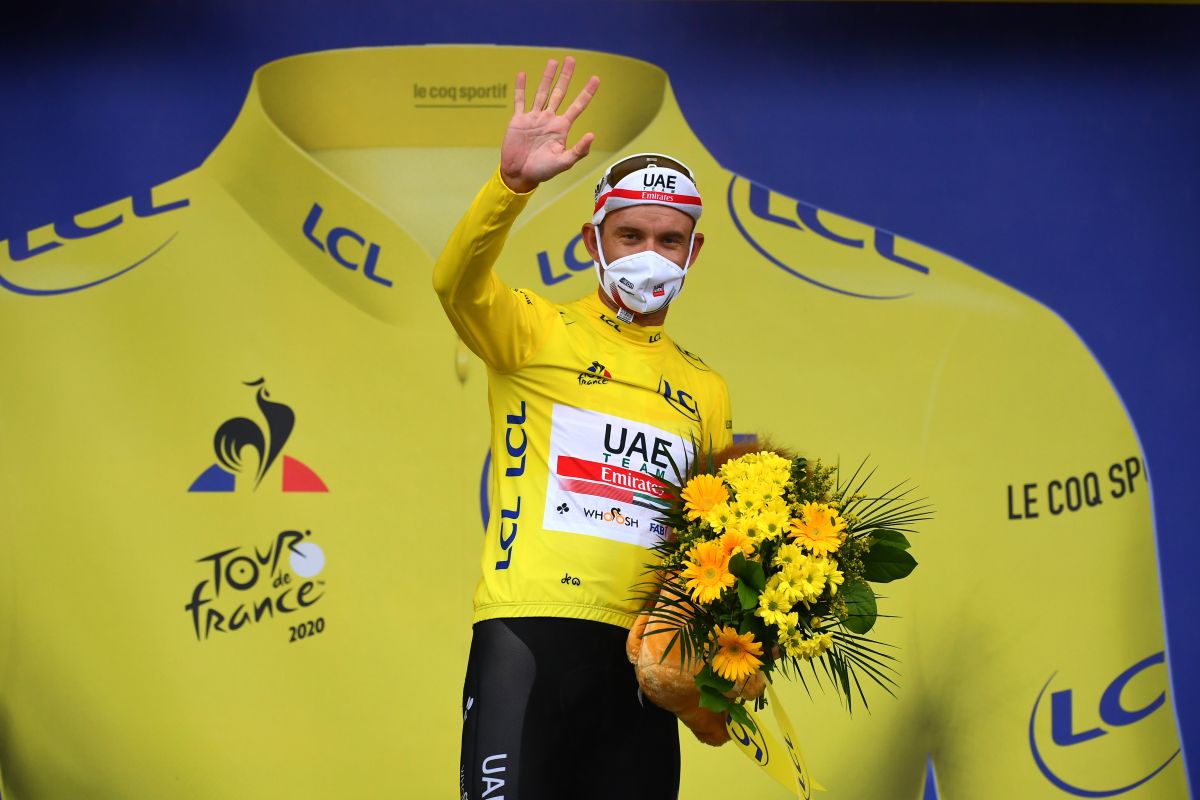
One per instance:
(642, 283)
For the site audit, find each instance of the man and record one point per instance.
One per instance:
(582, 445)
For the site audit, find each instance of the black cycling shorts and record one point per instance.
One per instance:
(551, 709)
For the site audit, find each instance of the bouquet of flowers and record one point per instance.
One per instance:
(768, 567)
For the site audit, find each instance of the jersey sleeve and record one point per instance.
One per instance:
(1042, 645)
(502, 326)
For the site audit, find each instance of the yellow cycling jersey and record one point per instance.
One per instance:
(242, 462)
(592, 420)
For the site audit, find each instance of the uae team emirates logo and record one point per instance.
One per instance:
(609, 476)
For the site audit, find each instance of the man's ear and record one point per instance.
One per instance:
(589, 233)
(696, 245)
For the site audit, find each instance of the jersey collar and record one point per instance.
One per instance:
(604, 319)
(371, 98)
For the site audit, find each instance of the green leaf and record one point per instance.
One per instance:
(713, 700)
(885, 563)
(741, 715)
(749, 571)
(752, 623)
(711, 679)
(747, 595)
(755, 576)
(886, 537)
(860, 603)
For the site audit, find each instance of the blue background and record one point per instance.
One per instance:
(1056, 148)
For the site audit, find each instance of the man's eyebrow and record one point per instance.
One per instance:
(623, 229)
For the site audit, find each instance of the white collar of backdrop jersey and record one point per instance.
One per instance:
(273, 161)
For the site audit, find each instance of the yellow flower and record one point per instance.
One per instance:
(786, 583)
(819, 529)
(773, 607)
(809, 579)
(794, 644)
(736, 658)
(833, 576)
(789, 554)
(747, 500)
(719, 516)
(778, 506)
(708, 572)
(789, 625)
(702, 493)
(799, 647)
(750, 525)
(771, 524)
(736, 540)
(822, 642)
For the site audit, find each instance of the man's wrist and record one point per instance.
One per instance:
(517, 184)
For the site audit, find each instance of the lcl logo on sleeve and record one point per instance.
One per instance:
(1084, 747)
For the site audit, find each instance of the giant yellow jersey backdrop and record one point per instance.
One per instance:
(242, 456)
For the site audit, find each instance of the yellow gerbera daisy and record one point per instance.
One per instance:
(735, 540)
(702, 493)
(819, 529)
(737, 657)
(707, 572)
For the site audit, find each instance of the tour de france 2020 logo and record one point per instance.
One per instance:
(1081, 741)
(234, 436)
(244, 586)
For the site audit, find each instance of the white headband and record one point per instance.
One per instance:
(650, 185)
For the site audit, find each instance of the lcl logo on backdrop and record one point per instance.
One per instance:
(348, 248)
(1081, 724)
(864, 262)
(25, 246)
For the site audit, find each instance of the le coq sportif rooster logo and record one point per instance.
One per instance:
(246, 448)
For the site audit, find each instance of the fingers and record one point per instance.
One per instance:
(543, 90)
(519, 94)
(581, 102)
(583, 146)
(560, 85)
